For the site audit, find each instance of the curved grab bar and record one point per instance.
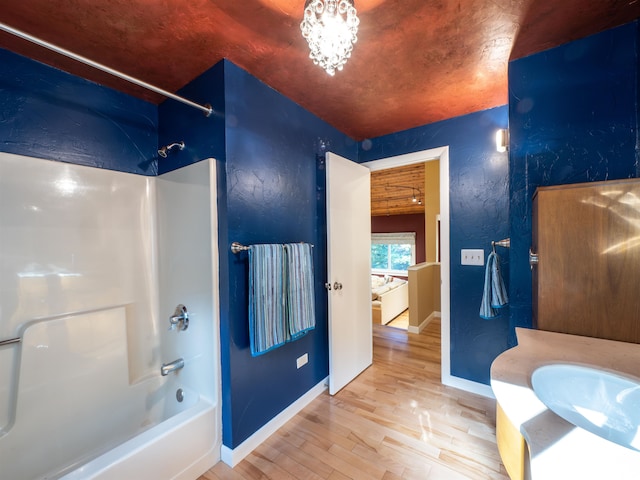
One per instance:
(10, 341)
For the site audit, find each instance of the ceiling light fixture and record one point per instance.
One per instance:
(330, 27)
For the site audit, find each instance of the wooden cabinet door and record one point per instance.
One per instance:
(534, 267)
(587, 237)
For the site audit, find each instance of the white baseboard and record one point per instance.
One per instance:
(424, 324)
(234, 456)
(468, 386)
(448, 379)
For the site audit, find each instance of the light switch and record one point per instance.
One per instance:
(471, 256)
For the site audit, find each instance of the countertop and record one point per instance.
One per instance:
(558, 449)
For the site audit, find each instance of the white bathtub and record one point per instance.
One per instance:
(171, 450)
(79, 417)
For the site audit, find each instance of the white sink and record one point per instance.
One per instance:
(601, 402)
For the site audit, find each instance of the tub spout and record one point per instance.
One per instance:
(167, 368)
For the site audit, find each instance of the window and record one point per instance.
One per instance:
(393, 253)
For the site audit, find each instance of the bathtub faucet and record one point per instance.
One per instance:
(180, 318)
(167, 368)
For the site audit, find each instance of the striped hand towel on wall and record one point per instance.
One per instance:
(300, 298)
(494, 295)
(267, 317)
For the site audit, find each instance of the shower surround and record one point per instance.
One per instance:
(92, 265)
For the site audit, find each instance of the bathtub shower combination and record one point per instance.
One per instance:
(109, 347)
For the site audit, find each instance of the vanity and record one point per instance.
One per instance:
(534, 440)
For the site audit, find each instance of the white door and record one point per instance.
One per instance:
(348, 270)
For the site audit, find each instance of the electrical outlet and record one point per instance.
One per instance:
(470, 256)
(303, 360)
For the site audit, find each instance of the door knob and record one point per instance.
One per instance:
(337, 286)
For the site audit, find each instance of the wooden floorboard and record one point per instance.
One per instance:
(396, 421)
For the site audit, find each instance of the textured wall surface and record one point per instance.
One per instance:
(573, 117)
(479, 213)
(203, 136)
(275, 194)
(47, 113)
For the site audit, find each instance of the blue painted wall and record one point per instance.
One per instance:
(204, 137)
(274, 152)
(47, 113)
(573, 117)
(479, 213)
(270, 154)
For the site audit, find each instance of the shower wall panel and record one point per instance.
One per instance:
(74, 241)
(188, 273)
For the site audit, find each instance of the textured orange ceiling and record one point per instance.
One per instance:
(416, 61)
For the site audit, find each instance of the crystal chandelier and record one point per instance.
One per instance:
(330, 27)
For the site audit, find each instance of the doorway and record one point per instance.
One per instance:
(442, 155)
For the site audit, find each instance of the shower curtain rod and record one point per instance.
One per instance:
(207, 109)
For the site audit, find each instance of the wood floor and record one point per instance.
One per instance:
(395, 421)
(401, 321)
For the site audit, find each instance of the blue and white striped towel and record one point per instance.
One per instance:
(267, 315)
(494, 295)
(300, 297)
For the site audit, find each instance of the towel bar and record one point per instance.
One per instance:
(237, 247)
(505, 242)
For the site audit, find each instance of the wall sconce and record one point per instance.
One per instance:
(502, 140)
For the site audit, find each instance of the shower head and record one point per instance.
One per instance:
(165, 150)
